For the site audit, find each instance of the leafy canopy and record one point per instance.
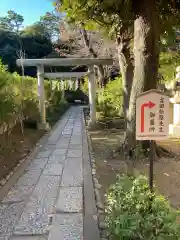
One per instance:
(12, 22)
(110, 15)
(50, 22)
(116, 16)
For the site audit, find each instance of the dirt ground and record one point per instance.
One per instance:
(16, 147)
(109, 164)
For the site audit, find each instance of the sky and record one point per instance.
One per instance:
(31, 10)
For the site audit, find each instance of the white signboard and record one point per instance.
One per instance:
(152, 116)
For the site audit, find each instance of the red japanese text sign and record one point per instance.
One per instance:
(152, 116)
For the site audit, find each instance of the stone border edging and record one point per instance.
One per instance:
(91, 230)
(98, 201)
(7, 182)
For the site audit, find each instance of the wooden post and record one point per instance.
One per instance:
(40, 76)
(151, 162)
(92, 95)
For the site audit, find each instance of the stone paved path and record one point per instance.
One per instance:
(47, 200)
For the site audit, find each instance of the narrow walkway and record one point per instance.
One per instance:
(47, 200)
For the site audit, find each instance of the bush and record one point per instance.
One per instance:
(110, 99)
(134, 213)
(168, 63)
(84, 86)
(19, 97)
(27, 94)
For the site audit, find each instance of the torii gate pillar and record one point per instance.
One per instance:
(43, 125)
(92, 95)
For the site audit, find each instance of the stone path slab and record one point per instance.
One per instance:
(41, 237)
(67, 227)
(73, 173)
(77, 153)
(29, 178)
(18, 194)
(70, 200)
(56, 159)
(47, 201)
(44, 153)
(38, 163)
(9, 215)
(53, 169)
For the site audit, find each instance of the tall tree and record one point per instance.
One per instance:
(9, 44)
(36, 29)
(34, 46)
(116, 20)
(92, 52)
(12, 22)
(121, 17)
(78, 32)
(88, 46)
(51, 22)
(146, 52)
(151, 20)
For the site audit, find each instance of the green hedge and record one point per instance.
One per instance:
(19, 96)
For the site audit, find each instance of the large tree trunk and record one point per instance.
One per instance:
(127, 69)
(94, 54)
(146, 59)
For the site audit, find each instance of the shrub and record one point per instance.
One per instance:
(19, 96)
(110, 99)
(27, 94)
(84, 86)
(9, 98)
(134, 213)
(168, 63)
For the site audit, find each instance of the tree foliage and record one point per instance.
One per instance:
(51, 23)
(38, 40)
(129, 21)
(33, 46)
(12, 22)
(36, 29)
(115, 16)
(32, 41)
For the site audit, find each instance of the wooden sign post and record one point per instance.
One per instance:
(152, 121)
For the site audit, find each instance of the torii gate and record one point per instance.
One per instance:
(40, 63)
